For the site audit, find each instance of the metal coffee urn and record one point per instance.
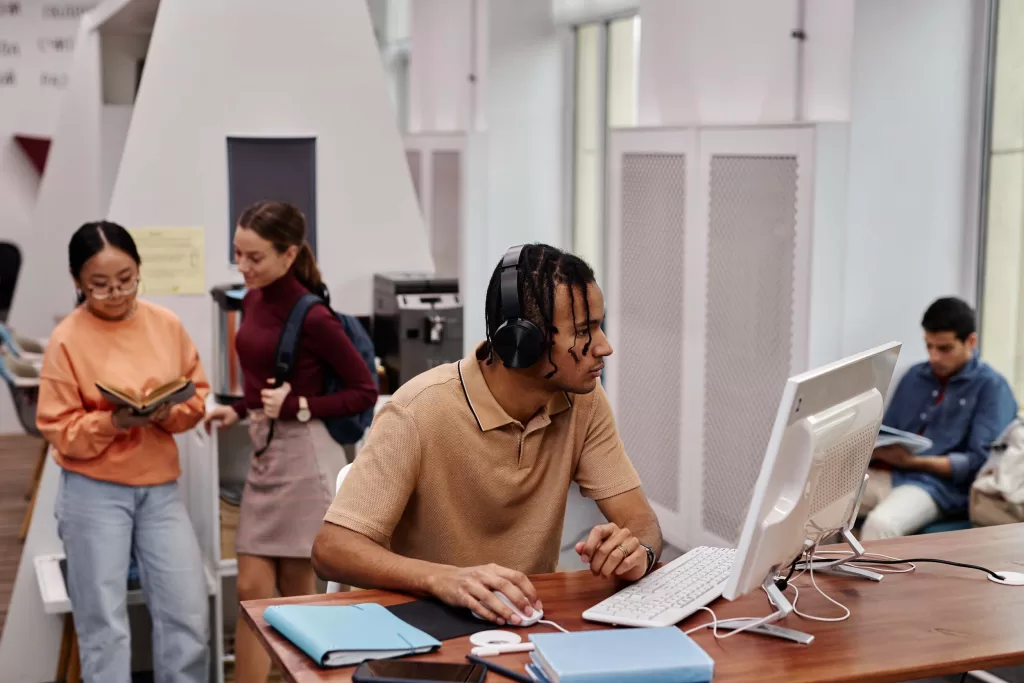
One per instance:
(227, 371)
(417, 324)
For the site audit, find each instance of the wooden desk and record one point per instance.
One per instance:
(935, 621)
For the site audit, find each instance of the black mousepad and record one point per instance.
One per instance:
(440, 620)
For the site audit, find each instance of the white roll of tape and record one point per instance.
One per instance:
(495, 638)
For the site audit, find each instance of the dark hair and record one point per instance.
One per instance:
(283, 225)
(541, 269)
(950, 315)
(91, 239)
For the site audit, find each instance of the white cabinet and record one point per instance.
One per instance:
(724, 244)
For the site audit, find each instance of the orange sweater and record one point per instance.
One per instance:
(139, 353)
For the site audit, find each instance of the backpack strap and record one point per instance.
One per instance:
(288, 343)
(287, 349)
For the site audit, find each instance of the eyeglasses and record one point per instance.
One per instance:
(105, 292)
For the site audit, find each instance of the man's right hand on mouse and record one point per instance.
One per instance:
(473, 588)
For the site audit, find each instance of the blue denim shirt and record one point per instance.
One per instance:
(977, 407)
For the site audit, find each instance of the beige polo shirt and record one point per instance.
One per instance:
(447, 476)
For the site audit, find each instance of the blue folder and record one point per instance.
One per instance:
(651, 655)
(340, 635)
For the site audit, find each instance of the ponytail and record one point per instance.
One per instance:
(307, 272)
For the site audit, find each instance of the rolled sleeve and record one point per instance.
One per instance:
(963, 468)
(604, 470)
(376, 491)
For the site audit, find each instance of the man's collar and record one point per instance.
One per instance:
(488, 412)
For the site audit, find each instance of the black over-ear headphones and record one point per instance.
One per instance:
(518, 342)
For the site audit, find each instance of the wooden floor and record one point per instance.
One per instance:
(18, 454)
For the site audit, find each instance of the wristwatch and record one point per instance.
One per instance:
(303, 415)
(651, 558)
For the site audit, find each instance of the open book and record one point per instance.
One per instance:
(174, 392)
(914, 443)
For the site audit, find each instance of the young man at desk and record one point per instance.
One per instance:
(460, 489)
(960, 404)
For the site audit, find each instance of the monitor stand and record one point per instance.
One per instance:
(841, 566)
(782, 609)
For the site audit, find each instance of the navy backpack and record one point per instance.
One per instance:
(344, 430)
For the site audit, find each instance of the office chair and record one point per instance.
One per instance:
(10, 267)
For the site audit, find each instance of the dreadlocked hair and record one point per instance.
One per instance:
(542, 268)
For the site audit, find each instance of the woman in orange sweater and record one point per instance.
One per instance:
(118, 494)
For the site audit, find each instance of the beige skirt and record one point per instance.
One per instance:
(288, 489)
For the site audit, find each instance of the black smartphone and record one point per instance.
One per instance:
(395, 671)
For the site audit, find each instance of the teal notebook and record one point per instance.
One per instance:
(651, 655)
(340, 635)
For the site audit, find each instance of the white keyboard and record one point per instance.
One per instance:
(670, 594)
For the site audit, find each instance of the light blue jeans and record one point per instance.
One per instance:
(101, 525)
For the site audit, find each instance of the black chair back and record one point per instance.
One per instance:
(10, 267)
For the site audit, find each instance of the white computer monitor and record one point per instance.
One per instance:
(814, 468)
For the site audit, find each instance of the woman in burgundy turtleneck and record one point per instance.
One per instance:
(291, 483)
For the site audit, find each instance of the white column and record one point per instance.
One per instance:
(448, 65)
(737, 61)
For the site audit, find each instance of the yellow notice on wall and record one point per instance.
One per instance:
(173, 260)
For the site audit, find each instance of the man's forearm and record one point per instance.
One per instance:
(349, 558)
(938, 465)
(647, 531)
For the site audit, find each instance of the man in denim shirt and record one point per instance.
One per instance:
(958, 402)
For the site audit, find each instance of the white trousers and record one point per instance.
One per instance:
(893, 512)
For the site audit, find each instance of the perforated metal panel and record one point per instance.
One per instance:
(748, 325)
(842, 471)
(651, 266)
(413, 158)
(445, 219)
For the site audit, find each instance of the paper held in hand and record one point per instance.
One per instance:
(174, 392)
(914, 443)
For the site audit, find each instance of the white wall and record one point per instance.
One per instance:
(32, 108)
(910, 166)
(444, 42)
(516, 178)
(734, 61)
(69, 195)
(318, 71)
(526, 89)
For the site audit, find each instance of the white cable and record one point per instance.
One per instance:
(883, 569)
(814, 583)
(714, 624)
(551, 623)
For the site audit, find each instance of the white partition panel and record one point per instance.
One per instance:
(436, 164)
(710, 235)
(754, 215)
(655, 173)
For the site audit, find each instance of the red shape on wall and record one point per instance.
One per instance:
(36, 148)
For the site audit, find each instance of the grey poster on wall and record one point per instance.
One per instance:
(277, 168)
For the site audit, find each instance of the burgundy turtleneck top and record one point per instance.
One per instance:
(323, 343)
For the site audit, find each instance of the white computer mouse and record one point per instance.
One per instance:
(526, 620)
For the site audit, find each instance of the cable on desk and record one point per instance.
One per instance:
(933, 560)
(551, 623)
(714, 624)
(865, 557)
(796, 599)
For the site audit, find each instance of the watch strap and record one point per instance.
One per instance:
(652, 557)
